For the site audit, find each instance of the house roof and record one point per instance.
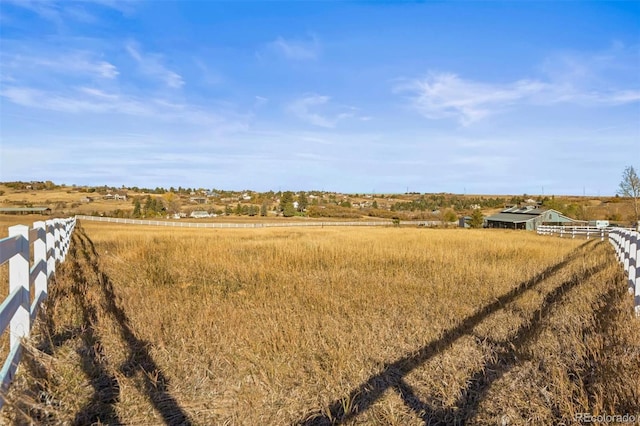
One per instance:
(524, 210)
(512, 217)
(525, 214)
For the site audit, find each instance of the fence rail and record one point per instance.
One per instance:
(626, 243)
(50, 241)
(178, 224)
(573, 231)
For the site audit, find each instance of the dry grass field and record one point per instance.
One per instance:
(399, 326)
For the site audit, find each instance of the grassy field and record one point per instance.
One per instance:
(329, 326)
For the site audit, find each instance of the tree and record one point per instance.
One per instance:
(303, 202)
(173, 202)
(630, 187)
(477, 219)
(449, 216)
(286, 198)
(136, 207)
(288, 210)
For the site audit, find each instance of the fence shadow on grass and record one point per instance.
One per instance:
(106, 389)
(392, 375)
(155, 383)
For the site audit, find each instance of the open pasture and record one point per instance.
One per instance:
(330, 325)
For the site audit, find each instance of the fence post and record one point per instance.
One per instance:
(637, 278)
(63, 240)
(56, 239)
(51, 247)
(40, 255)
(19, 279)
(632, 267)
(625, 247)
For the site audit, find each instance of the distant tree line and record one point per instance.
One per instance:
(440, 201)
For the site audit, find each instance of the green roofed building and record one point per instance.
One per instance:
(528, 218)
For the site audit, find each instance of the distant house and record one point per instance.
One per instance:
(198, 200)
(528, 217)
(120, 196)
(199, 214)
(599, 223)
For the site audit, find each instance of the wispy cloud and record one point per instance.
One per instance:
(589, 79)
(61, 12)
(151, 64)
(302, 109)
(260, 101)
(318, 111)
(69, 62)
(296, 49)
(83, 100)
(446, 95)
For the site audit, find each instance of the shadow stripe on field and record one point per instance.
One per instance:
(392, 375)
(140, 359)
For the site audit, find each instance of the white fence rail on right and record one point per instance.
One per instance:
(626, 243)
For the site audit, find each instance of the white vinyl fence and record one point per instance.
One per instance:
(27, 268)
(626, 243)
(179, 224)
(574, 231)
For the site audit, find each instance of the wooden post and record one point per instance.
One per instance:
(19, 279)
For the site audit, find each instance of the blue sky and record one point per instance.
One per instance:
(444, 96)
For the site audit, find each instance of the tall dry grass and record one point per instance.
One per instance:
(313, 326)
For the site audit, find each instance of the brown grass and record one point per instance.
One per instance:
(329, 325)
